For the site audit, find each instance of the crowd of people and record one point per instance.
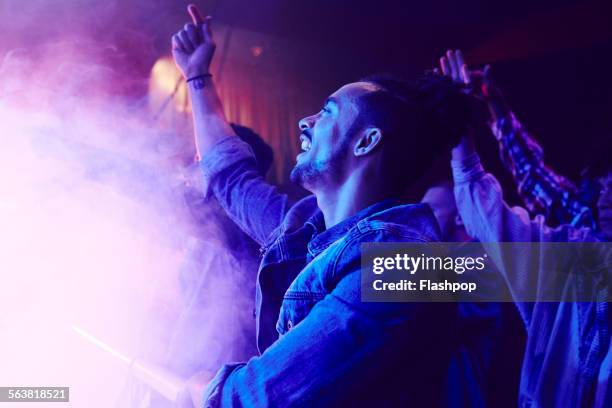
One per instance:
(318, 343)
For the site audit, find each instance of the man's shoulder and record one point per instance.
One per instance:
(401, 222)
(417, 218)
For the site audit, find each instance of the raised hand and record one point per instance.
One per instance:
(193, 47)
(453, 65)
(480, 83)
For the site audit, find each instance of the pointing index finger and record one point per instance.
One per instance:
(195, 14)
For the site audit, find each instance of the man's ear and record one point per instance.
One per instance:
(369, 139)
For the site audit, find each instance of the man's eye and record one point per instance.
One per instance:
(325, 109)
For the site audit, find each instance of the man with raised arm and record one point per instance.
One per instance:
(568, 359)
(543, 190)
(319, 344)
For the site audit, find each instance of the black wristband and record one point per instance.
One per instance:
(198, 77)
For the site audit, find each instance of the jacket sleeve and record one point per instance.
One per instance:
(256, 206)
(541, 188)
(338, 349)
(489, 219)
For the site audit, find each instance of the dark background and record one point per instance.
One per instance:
(553, 59)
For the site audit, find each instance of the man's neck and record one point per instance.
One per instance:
(356, 193)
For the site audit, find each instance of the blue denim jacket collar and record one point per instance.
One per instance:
(325, 237)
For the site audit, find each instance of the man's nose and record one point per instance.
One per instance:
(306, 123)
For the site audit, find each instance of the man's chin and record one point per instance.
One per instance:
(302, 175)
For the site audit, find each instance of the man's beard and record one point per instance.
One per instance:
(307, 174)
(311, 174)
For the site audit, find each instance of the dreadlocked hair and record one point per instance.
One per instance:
(419, 120)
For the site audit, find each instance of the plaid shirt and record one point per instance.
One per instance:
(543, 191)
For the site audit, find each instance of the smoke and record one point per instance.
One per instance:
(95, 228)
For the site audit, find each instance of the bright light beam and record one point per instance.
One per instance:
(167, 384)
(101, 344)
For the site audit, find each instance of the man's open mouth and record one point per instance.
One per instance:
(306, 142)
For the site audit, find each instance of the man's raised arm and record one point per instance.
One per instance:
(193, 48)
(541, 188)
(227, 162)
(488, 218)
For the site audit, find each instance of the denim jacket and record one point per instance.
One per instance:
(319, 344)
(566, 341)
